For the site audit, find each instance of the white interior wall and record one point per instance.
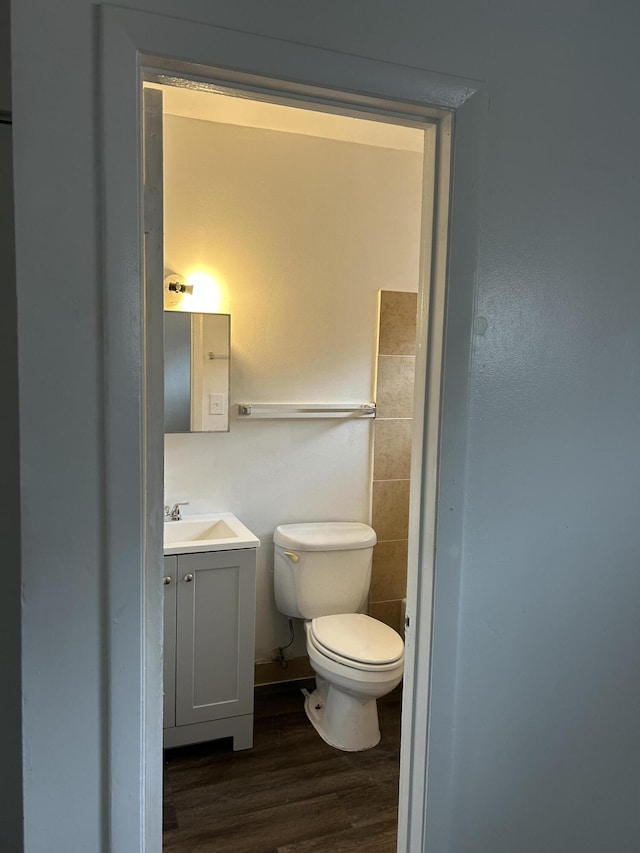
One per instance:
(301, 233)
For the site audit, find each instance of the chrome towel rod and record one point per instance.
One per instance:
(306, 410)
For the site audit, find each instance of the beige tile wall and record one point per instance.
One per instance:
(392, 454)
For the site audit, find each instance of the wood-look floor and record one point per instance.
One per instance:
(291, 793)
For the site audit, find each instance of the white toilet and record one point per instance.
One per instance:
(322, 572)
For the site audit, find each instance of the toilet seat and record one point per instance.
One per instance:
(357, 641)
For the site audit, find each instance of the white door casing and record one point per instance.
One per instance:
(133, 40)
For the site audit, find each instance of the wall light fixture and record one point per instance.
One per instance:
(175, 289)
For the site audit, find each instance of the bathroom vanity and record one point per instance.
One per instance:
(209, 618)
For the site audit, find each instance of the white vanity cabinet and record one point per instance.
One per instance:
(209, 621)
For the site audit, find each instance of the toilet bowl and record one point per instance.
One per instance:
(343, 707)
(322, 572)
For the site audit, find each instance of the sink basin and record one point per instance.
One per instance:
(220, 531)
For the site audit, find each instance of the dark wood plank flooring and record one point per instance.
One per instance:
(291, 793)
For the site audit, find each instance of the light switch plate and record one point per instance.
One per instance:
(216, 404)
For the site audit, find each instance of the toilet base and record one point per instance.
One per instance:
(341, 720)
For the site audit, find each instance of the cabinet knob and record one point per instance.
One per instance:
(188, 578)
(166, 579)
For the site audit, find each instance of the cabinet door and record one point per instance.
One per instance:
(169, 648)
(215, 636)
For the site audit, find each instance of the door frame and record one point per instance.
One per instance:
(132, 41)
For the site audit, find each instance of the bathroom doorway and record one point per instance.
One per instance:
(312, 227)
(133, 43)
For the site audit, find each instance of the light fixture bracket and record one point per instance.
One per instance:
(175, 289)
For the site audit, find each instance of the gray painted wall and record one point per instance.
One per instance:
(5, 56)
(10, 716)
(10, 713)
(541, 735)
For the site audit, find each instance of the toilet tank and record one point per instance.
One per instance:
(322, 568)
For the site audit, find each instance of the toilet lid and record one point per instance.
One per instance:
(358, 638)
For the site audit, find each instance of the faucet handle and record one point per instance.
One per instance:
(174, 513)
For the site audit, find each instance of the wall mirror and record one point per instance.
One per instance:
(197, 354)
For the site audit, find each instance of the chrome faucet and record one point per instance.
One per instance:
(173, 514)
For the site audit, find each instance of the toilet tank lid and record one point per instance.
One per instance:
(325, 536)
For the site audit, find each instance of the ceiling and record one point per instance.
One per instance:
(207, 105)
